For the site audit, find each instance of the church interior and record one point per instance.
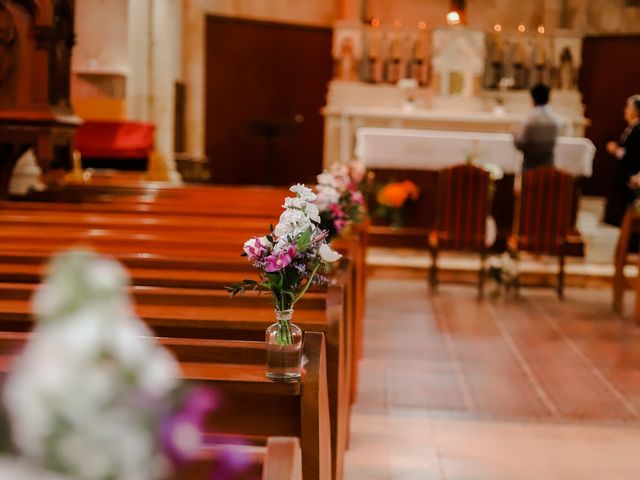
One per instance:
(319, 239)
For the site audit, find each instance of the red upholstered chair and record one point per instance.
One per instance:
(463, 205)
(544, 216)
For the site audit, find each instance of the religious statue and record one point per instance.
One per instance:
(540, 60)
(396, 58)
(419, 66)
(521, 62)
(347, 63)
(497, 57)
(374, 57)
(566, 70)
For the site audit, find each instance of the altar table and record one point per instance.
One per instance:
(391, 148)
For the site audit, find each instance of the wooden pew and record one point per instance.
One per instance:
(207, 225)
(279, 459)
(176, 312)
(251, 405)
(168, 234)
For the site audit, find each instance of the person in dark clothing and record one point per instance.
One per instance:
(537, 138)
(626, 180)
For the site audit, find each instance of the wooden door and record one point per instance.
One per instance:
(265, 86)
(610, 74)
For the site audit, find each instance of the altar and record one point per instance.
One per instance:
(410, 149)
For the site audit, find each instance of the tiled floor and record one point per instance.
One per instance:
(527, 388)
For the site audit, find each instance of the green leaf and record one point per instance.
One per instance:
(304, 240)
(235, 289)
(275, 280)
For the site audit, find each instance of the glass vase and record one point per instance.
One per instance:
(284, 348)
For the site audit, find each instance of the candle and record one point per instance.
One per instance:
(396, 41)
(541, 47)
(374, 43)
(498, 45)
(519, 57)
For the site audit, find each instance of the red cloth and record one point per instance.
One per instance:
(115, 139)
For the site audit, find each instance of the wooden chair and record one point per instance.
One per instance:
(622, 257)
(463, 206)
(544, 216)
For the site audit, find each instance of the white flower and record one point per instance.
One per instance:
(312, 212)
(495, 172)
(292, 223)
(298, 203)
(326, 179)
(327, 196)
(295, 203)
(83, 368)
(303, 192)
(327, 254)
(341, 176)
(19, 470)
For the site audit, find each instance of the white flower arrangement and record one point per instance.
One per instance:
(291, 256)
(339, 201)
(504, 271)
(88, 396)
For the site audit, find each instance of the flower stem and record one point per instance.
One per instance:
(283, 336)
(306, 287)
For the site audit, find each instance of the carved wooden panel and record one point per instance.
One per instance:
(36, 38)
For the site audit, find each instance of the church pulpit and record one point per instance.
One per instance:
(36, 38)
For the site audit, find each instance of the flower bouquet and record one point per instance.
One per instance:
(504, 271)
(292, 258)
(392, 197)
(93, 396)
(339, 198)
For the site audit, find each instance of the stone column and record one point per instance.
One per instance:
(193, 73)
(155, 51)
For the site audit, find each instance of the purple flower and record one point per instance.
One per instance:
(181, 433)
(277, 261)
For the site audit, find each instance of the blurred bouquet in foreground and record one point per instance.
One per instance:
(392, 198)
(340, 200)
(289, 260)
(93, 396)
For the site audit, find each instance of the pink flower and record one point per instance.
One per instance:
(357, 198)
(256, 247)
(277, 261)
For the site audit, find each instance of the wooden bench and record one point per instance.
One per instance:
(166, 240)
(122, 218)
(279, 459)
(209, 314)
(65, 229)
(251, 405)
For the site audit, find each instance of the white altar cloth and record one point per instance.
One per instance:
(432, 150)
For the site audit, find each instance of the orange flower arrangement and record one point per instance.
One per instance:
(395, 195)
(392, 197)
